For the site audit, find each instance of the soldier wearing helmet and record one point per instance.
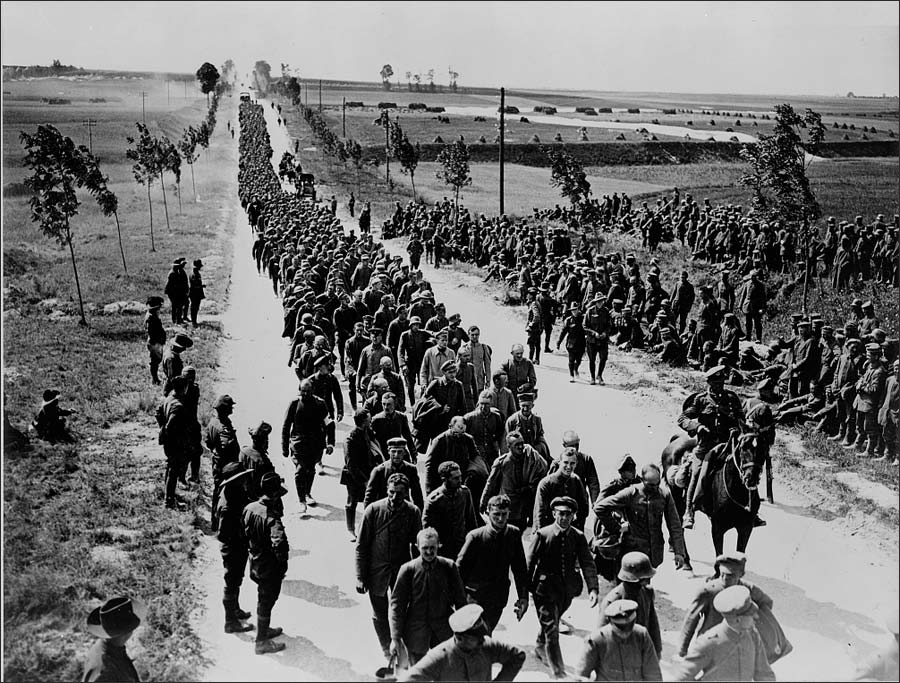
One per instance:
(635, 575)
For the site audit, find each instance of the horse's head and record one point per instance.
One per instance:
(750, 455)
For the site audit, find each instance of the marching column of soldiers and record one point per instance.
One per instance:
(463, 497)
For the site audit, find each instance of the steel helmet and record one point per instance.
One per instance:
(636, 566)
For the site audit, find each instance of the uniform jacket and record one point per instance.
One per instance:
(376, 489)
(719, 416)
(447, 446)
(359, 459)
(488, 432)
(518, 478)
(448, 392)
(384, 543)
(328, 389)
(303, 430)
(723, 654)
(870, 388)
(846, 372)
(221, 439)
(258, 464)
(423, 597)
(196, 286)
(448, 662)
(229, 513)
(156, 333)
(519, 373)
(267, 541)
(890, 409)
(370, 361)
(554, 485)
(481, 361)
(553, 562)
(596, 325)
(387, 427)
(586, 471)
(646, 611)
(452, 516)
(503, 400)
(432, 361)
(486, 558)
(702, 613)
(611, 658)
(412, 349)
(532, 430)
(645, 515)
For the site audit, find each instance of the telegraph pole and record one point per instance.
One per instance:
(502, 131)
(343, 117)
(90, 123)
(143, 108)
(320, 94)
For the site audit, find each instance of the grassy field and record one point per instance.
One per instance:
(85, 522)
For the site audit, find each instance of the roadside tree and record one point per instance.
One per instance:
(454, 161)
(386, 72)
(567, 174)
(188, 148)
(146, 166)
(408, 155)
(208, 75)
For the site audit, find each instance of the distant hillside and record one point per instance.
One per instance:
(12, 72)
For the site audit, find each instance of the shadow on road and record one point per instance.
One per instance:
(323, 596)
(301, 653)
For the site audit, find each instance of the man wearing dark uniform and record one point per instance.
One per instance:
(303, 437)
(221, 440)
(232, 543)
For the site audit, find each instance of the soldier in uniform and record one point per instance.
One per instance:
(709, 416)
(175, 436)
(221, 440)
(195, 291)
(269, 549)
(732, 650)
(869, 397)
(487, 427)
(519, 370)
(304, 437)
(156, 336)
(561, 482)
(411, 352)
(255, 458)
(449, 510)
(353, 349)
(529, 424)
(622, 649)
(232, 544)
(516, 474)
(468, 655)
(191, 403)
(634, 576)
(397, 463)
(554, 558)
(113, 623)
(177, 288)
(597, 328)
(485, 560)
(173, 364)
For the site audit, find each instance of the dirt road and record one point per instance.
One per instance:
(831, 589)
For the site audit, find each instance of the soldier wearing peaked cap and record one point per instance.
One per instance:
(468, 655)
(732, 650)
(269, 550)
(255, 458)
(556, 553)
(232, 544)
(621, 650)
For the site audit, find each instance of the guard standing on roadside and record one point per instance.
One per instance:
(173, 364)
(177, 290)
(255, 458)
(195, 291)
(269, 550)
(232, 544)
(174, 435)
(221, 440)
(156, 336)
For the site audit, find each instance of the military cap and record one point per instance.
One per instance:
(627, 464)
(734, 601)
(271, 485)
(415, 320)
(467, 619)
(50, 395)
(817, 322)
(730, 316)
(376, 330)
(796, 316)
(873, 348)
(731, 560)
(260, 429)
(498, 373)
(324, 359)
(715, 373)
(155, 302)
(621, 610)
(427, 294)
(233, 471)
(804, 323)
(620, 302)
(853, 342)
(198, 263)
(456, 317)
(223, 401)
(183, 341)
(448, 365)
(396, 442)
(564, 501)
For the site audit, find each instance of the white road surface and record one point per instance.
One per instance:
(832, 590)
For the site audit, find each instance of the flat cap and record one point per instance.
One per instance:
(621, 609)
(396, 442)
(564, 501)
(732, 560)
(466, 618)
(734, 601)
(873, 348)
(415, 320)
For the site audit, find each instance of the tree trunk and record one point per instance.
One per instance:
(121, 248)
(178, 186)
(83, 320)
(150, 204)
(162, 184)
(193, 184)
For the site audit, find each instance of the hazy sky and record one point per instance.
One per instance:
(754, 47)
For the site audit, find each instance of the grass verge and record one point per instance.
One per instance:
(85, 522)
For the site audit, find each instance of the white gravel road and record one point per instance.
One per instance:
(831, 589)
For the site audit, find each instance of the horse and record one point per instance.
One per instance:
(730, 499)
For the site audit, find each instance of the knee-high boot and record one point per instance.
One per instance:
(350, 515)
